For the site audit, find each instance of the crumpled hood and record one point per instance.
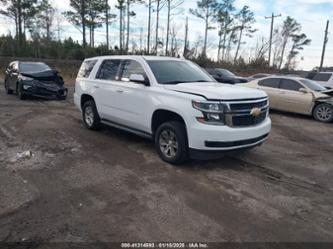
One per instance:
(49, 76)
(219, 91)
(328, 92)
(43, 74)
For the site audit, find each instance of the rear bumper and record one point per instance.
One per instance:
(77, 101)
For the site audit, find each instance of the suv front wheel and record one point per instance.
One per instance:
(90, 115)
(19, 92)
(171, 142)
(8, 90)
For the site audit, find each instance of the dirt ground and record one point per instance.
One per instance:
(110, 186)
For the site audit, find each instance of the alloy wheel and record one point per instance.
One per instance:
(324, 113)
(89, 116)
(168, 144)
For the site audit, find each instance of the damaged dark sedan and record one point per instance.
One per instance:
(34, 79)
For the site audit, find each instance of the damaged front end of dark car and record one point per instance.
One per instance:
(48, 84)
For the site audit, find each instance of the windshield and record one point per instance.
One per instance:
(322, 77)
(177, 72)
(225, 72)
(313, 85)
(33, 67)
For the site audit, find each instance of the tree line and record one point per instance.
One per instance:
(36, 27)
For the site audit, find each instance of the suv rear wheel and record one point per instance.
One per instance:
(90, 115)
(323, 113)
(171, 142)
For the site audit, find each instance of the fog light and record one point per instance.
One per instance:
(26, 87)
(213, 117)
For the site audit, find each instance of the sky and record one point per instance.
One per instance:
(311, 14)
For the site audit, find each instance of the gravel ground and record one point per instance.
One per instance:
(110, 186)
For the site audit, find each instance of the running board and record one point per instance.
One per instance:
(128, 129)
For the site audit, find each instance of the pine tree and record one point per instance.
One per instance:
(206, 10)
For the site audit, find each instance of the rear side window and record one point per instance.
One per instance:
(271, 82)
(108, 70)
(86, 68)
(290, 85)
(322, 76)
(211, 71)
(257, 76)
(131, 67)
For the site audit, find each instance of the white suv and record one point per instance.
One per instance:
(325, 79)
(174, 102)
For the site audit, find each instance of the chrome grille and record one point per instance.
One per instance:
(239, 114)
(248, 106)
(248, 120)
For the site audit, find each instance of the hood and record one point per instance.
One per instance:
(49, 76)
(43, 74)
(213, 90)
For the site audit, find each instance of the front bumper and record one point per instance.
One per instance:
(215, 154)
(223, 139)
(45, 93)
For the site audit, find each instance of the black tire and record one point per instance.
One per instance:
(180, 154)
(19, 92)
(323, 113)
(93, 122)
(8, 90)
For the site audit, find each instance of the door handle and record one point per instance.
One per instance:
(96, 86)
(119, 91)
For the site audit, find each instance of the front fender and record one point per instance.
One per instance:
(323, 100)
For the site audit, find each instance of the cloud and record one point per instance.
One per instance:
(312, 14)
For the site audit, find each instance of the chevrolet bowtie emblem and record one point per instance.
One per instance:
(255, 112)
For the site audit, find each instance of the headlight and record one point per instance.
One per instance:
(25, 78)
(213, 112)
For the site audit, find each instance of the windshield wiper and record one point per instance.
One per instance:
(173, 82)
(182, 82)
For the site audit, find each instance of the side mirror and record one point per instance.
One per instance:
(304, 90)
(139, 78)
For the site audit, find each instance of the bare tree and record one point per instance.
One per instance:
(232, 40)
(159, 6)
(261, 49)
(21, 11)
(226, 23)
(246, 19)
(299, 41)
(206, 11)
(171, 5)
(149, 25)
(186, 45)
(107, 9)
(121, 6)
(290, 28)
(77, 17)
(129, 14)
